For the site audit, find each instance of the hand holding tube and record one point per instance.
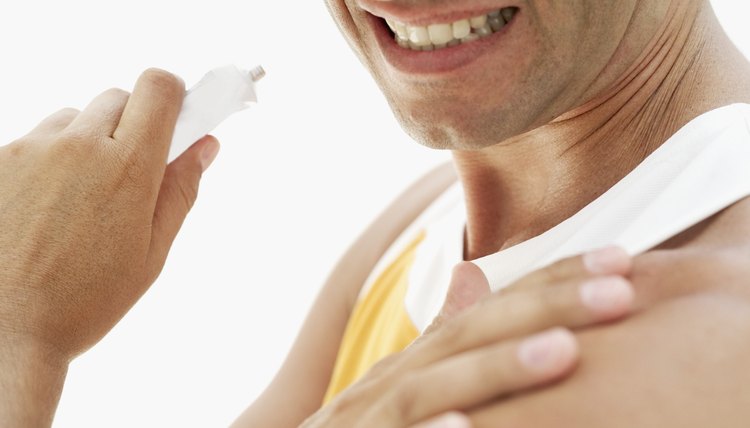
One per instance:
(89, 210)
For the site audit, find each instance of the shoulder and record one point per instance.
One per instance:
(683, 363)
(360, 259)
(681, 360)
(301, 382)
(709, 257)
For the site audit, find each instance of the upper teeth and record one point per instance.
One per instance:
(437, 36)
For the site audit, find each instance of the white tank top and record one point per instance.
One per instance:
(700, 170)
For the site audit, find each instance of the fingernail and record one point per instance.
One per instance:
(548, 352)
(606, 260)
(209, 154)
(607, 294)
(449, 420)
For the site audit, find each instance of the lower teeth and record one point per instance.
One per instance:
(493, 22)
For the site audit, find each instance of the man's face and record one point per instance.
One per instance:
(518, 65)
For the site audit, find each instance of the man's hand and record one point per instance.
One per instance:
(89, 210)
(681, 361)
(510, 342)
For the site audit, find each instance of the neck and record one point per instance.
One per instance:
(522, 187)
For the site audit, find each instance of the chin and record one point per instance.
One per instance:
(466, 130)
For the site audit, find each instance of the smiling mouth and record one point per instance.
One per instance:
(443, 35)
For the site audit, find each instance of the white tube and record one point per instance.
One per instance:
(219, 94)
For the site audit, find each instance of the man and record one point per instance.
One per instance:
(543, 117)
(545, 111)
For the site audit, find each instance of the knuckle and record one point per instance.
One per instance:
(17, 148)
(553, 304)
(349, 401)
(573, 264)
(116, 93)
(489, 363)
(541, 308)
(382, 366)
(164, 80)
(553, 274)
(63, 117)
(67, 112)
(72, 143)
(562, 268)
(522, 307)
(342, 404)
(188, 193)
(450, 332)
(403, 399)
(78, 137)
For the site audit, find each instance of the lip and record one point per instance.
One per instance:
(441, 61)
(418, 16)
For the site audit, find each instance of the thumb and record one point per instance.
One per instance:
(177, 194)
(468, 286)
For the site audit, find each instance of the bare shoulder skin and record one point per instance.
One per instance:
(626, 75)
(541, 118)
(579, 93)
(681, 361)
(302, 381)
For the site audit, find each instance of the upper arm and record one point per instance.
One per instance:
(298, 389)
(682, 361)
(681, 364)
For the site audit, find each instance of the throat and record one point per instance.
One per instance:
(509, 206)
(524, 186)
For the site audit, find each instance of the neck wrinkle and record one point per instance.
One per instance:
(521, 188)
(636, 69)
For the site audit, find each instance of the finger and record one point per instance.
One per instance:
(446, 420)
(605, 261)
(468, 285)
(178, 193)
(103, 113)
(474, 377)
(55, 122)
(148, 121)
(573, 304)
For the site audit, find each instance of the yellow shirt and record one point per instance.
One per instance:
(404, 291)
(700, 170)
(379, 325)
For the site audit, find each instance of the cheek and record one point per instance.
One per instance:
(560, 28)
(341, 12)
(505, 94)
(354, 26)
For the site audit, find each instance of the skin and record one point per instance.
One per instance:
(456, 363)
(83, 244)
(627, 71)
(642, 69)
(80, 245)
(670, 365)
(636, 71)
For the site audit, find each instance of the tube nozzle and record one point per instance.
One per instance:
(257, 73)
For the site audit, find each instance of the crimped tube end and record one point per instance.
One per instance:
(257, 73)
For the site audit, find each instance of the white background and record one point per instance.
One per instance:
(299, 176)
